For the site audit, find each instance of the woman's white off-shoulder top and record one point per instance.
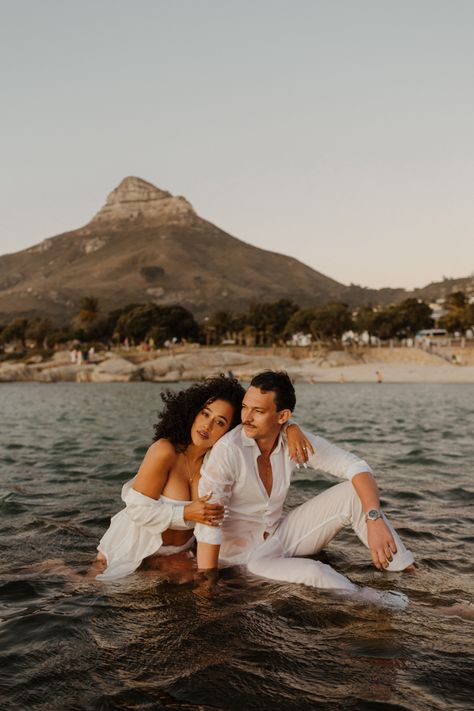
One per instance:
(135, 531)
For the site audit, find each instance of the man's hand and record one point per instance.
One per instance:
(203, 512)
(381, 543)
(299, 447)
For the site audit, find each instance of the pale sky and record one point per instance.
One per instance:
(339, 132)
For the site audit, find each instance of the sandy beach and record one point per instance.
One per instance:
(397, 373)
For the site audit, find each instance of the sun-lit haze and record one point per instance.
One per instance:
(341, 133)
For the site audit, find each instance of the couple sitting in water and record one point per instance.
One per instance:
(221, 464)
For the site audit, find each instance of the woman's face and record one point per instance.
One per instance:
(211, 423)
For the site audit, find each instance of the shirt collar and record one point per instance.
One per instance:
(249, 442)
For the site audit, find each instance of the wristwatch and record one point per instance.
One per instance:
(373, 515)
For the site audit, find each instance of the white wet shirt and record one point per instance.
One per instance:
(231, 474)
(135, 531)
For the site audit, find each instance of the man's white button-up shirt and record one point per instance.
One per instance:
(231, 474)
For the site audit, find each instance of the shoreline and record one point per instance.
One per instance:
(191, 363)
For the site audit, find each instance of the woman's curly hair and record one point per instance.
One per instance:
(181, 408)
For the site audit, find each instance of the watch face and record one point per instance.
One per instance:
(373, 514)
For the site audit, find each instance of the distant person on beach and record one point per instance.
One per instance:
(378, 376)
(248, 472)
(162, 503)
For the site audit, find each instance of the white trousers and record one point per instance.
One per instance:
(307, 530)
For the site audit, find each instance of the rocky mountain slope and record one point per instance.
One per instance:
(148, 245)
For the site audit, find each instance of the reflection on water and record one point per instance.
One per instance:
(144, 643)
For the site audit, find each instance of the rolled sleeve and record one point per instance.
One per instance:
(335, 460)
(154, 514)
(177, 520)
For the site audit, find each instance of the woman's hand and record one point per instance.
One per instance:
(203, 512)
(299, 446)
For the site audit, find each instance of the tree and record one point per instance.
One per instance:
(385, 324)
(158, 322)
(413, 316)
(452, 322)
(104, 329)
(60, 336)
(88, 310)
(299, 322)
(364, 320)
(456, 300)
(402, 320)
(38, 331)
(16, 331)
(271, 318)
(220, 323)
(331, 321)
(460, 315)
(323, 322)
(174, 322)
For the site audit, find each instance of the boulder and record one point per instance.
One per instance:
(158, 369)
(62, 356)
(59, 374)
(115, 370)
(12, 372)
(193, 366)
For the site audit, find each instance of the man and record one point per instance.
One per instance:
(249, 472)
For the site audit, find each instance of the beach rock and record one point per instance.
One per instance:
(115, 370)
(83, 375)
(60, 374)
(61, 357)
(193, 366)
(34, 360)
(173, 376)
(157, 370)
(13, 372)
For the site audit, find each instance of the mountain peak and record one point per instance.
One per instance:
(133, 188)
(135, 199)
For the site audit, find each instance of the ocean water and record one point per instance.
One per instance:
(69, 642)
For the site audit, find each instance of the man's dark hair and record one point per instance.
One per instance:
(279, 383)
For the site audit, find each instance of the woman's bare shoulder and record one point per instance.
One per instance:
(162, 451)
(153, 472)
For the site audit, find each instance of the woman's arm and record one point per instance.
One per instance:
(152, 477)
(299, 446)
(144, 507)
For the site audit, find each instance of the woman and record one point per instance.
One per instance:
(162, 503)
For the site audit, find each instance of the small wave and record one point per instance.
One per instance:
(63, 525)
(457, 493)
(409, 495)
(20, 590)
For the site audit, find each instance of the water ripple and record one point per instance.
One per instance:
(146, 643)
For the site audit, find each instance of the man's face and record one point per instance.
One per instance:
(259, 414)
